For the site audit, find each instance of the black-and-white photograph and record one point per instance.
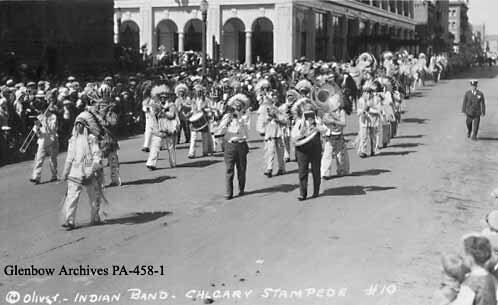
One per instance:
(252, 152)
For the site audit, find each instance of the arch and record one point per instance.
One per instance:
(262, 40)
(234, 39)
(193, 35)
(129, 34)
(167, 35)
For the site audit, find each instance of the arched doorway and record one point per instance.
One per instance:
(193, 35)
(234, 40)
(167, 35)
(129, 35)
(262, 40)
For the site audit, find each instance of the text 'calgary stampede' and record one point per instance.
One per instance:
(137, 294)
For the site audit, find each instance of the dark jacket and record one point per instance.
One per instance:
(473, 104)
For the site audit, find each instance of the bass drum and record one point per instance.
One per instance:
(199, 122)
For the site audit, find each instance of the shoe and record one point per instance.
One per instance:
(267, 174)
(229, 197)
(113, 184)
(54, 179)
(314, 196)
(152, 168)
(287, 160)
(468, 135)
(68, 225)
(190, 156)
(146, 149)
(474, 138)
(35, 181)
(241, 193)
(280, 173)
(363, 155)
(301, 198)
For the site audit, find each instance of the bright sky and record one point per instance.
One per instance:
(484, 11)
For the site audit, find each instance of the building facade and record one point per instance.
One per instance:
(479, 34)
(432, 25)
(458, 23)
(492, 44)
(268, 30)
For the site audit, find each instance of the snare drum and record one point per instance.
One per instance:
(199, 121)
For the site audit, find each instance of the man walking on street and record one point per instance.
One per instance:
(473, 107)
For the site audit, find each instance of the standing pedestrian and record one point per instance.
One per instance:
(235, 128)
(473, 107)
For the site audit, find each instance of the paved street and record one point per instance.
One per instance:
(385, 224)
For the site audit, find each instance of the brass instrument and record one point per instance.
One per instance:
(325, 97)
(32, 133)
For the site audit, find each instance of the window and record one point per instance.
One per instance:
(321, 37)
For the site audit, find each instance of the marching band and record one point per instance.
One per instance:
(300, 118)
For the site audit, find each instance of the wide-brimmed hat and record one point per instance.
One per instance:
(159, 90)
(181, 88)
(473, 82)
(263, 83)
(304, 85)
(239, 100)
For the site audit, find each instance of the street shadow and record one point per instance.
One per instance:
(199, 163)
(414, 120)
(369, 172)
(137, 218)
(405, 145)
(395, 153)
(135, 162)
(149, 181)
(282, 188)
(487, 138)
(355, 190)
(417, 94)
(256, 141)
(418, 136)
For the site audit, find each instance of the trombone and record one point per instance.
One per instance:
(32, 133)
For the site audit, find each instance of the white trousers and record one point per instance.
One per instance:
(44, 151)
(73, 195)
(335, 148)
(207, 143)
(367, 136)
(274, 147)
(155, 148)
(148, 133)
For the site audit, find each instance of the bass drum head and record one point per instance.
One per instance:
(196, 117)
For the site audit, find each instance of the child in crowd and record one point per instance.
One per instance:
(454, 271)
(478, 288)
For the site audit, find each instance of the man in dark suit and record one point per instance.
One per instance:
(473, 107)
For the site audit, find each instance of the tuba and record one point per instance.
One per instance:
(320, 97)
(305, 109)
(366, 60)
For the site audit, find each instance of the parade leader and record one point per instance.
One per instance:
(234, 127)
(473, 107)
